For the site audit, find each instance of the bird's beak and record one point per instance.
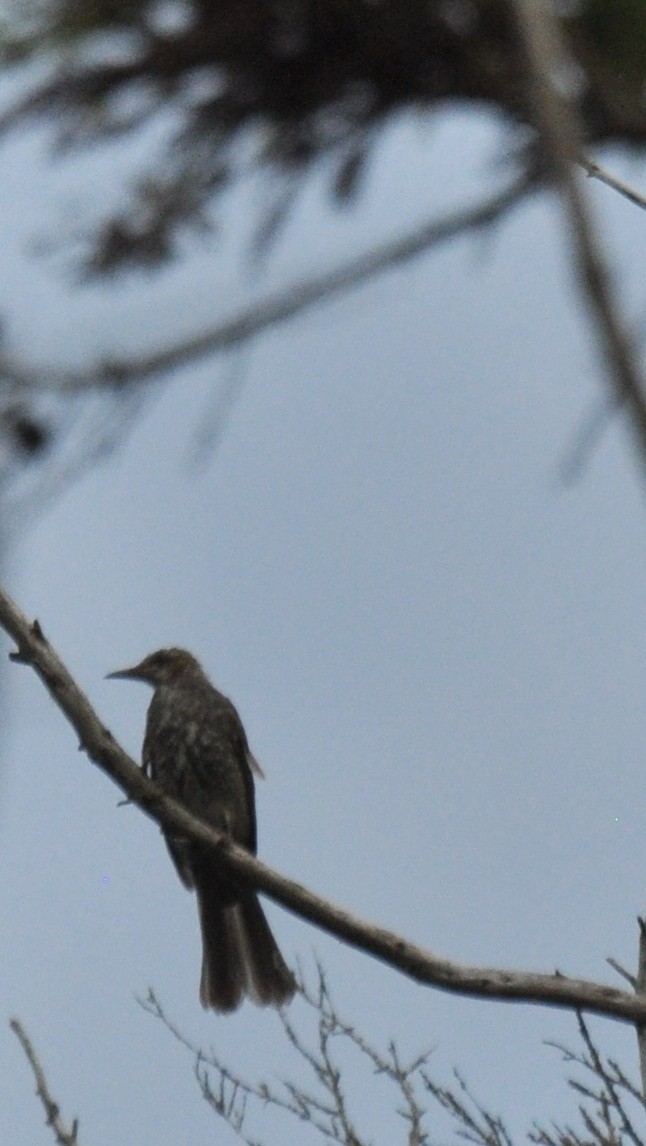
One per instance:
(125, 674)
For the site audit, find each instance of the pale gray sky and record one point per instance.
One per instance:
(436, 647)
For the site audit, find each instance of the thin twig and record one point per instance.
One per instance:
(603, 1088)
(65, 1136)
(622, 971)
(477, 1124)
(608, 1076)
(595, 171)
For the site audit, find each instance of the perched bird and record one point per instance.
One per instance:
(196, 749)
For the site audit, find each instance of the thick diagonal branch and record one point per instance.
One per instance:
(416, 962)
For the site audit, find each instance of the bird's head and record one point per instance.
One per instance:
(162, 667)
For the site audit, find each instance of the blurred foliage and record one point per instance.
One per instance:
(280, 84)
(276, 88)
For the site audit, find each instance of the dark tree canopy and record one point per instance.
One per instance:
(273, 88)
(299, 79)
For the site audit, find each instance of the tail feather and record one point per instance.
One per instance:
(222, 984)
(269, 980)
(240, 956)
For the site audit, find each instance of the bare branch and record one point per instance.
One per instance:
(595, 171)
(228, 1092)
(323, 1106)
(612, 1080)
(640, 989)
(418, 963)
(605, 1091)
(638, 983)
(630, 978)
(609, 1106)
(64, 1136)
(559, 130)
(118, 374)
(477, 1124)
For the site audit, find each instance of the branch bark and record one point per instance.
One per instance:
(418, 963)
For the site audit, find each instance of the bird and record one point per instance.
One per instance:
(195, 748)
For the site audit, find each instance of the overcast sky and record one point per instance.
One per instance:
(436, 645)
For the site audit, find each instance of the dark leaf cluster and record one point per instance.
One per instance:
(280, 85)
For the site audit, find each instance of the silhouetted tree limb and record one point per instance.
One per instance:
(416, 962)
(560, 132)
(119, 374)
(120, 386)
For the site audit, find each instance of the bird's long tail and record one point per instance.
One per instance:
(240, 956)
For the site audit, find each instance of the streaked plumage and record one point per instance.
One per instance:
(196, 749)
